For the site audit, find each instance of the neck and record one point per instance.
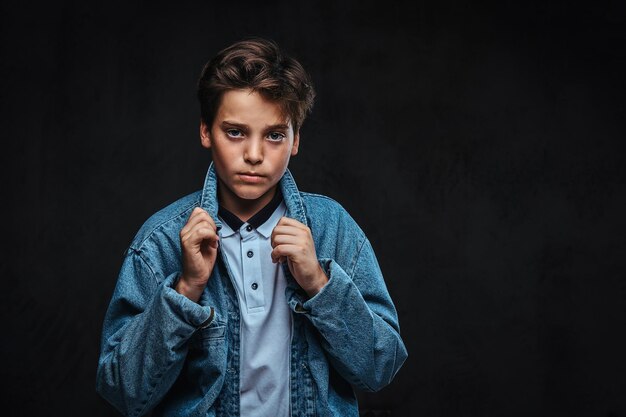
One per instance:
(244, 209)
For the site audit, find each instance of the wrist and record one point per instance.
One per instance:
(318, 283)
(193, 292)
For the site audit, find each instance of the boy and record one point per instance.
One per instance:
(249, 297)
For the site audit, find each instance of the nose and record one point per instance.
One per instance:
(253, 153)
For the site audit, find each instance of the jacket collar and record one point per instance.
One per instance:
(291, 196)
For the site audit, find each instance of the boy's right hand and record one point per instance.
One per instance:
(199, 242)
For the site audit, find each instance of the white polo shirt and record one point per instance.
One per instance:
(265, 315)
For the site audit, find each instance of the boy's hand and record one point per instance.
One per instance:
(292, 242)
(199, 242)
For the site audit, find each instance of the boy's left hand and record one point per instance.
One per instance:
(292, 242)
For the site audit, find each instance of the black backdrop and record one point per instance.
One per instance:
(479, 147)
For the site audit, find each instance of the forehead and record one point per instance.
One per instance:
(250, 108)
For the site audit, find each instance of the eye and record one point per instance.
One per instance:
(276, 136)
(234, 133)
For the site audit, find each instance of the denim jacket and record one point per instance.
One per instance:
(161, 351)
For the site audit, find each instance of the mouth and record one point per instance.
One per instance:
(250, 177)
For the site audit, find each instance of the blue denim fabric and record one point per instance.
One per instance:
(161, 351)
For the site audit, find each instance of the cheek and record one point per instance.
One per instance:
(281, 158)
(225, 153)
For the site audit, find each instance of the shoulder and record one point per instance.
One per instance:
(166, 223)
(325, 214)
(319, 205)
(320, 201)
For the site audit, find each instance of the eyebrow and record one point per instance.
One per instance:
(279, 126)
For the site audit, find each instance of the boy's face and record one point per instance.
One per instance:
(251, 141)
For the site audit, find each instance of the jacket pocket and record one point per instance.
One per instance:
(205, 365)
(208, 336)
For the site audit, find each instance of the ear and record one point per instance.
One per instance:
(205, 135)
(296, 143)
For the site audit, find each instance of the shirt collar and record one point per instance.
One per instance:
(266, 228)
(259, 219)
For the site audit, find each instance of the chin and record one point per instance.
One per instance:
(251, 194)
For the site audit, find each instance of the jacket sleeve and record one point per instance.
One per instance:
(144, 337)
(358, 322)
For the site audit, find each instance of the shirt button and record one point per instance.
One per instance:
(248, 228)
(254, 285)
(250, 254)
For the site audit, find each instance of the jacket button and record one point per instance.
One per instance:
(254, 285)
(250, 254)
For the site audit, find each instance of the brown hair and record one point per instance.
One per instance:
(260, 65)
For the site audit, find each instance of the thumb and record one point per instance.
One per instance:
(209, 248)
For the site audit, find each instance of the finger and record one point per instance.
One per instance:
(288, 221)
(294, 224)
(196, 236)
(199, 224)
(206, 236)
(206, 244)
(279, 259)
(286, 239)
(286, 251)
(211, 221)
(196, 211)
(198, 215)
(192, 220)
(286, 230)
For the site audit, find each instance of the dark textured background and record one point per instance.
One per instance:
(480, 148)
